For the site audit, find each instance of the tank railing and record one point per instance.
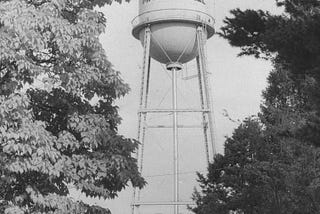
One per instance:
(182, 15)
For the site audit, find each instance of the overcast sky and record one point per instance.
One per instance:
(236, 83)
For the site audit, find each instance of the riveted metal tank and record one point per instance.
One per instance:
(173, 25)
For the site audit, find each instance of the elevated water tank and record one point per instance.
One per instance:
(173, 25)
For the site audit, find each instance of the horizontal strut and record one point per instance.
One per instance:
(171, 110)
(161, 203)
(179, 126)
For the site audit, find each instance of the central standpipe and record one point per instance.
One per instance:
(174, 71)
(175, 67)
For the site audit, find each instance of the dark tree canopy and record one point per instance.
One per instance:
(52, 136)
(271, 163)
(291, 39)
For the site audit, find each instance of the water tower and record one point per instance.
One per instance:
(174, 32)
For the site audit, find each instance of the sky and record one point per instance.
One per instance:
(236, 83)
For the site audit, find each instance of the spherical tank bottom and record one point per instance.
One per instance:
(173, 27)
(172, 42)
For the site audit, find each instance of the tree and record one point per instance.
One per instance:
(52, 134)
(268, 167)
(290, 40)
(271, 163)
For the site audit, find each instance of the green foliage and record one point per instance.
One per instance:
(52, 67)
(271, 163)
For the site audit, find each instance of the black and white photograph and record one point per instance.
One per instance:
(159, 107)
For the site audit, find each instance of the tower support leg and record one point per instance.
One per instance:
(205, 93)
(144, 90)
(204, 114)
